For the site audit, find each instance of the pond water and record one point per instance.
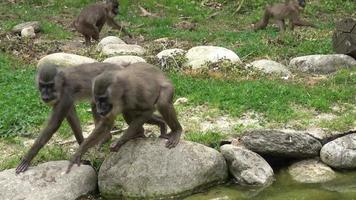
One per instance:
(285, 188)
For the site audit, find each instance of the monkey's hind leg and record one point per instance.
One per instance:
(157, 120)
(264, 21)
(165, 107)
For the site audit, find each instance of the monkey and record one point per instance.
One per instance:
(289, 10)
(92, 19)
(136, 92)
(61, 88)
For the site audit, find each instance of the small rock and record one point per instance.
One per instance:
(162, 40)
(28, 32)
(270, 67)
(124, 60)
(289, 143)
(109, 40)
(311, 171)
(247, 167)
(322, 64)
(167, 54)
(35, 25)
(123, 49)
(181, 100)
(146, 168)
(48, 181)
(64, 60)
(200, 55)
(340, 153)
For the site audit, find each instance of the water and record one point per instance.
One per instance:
(285, 188)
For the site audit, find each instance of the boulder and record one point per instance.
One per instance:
(247, 167)
(311, 171)
(65, 60)
(340, 153)
(109, 40)
(165, 55)
(124, 60)
(322, 64)
(28, 32)
(146, 168)
(122, 49)
(283, 143)
(35, 25)
(48, 181)
(200, 55)
(270, 67)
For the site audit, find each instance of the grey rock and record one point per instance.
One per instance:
(124, 60)
(64, 60)
(167, 54)
(145, 168)
(311, 171)
(48, 181)
(109, 40)
(289, 143)
(200, 55)
(35, 24)
(270, 67)
(247, 167)
(28, 32)
(123, 49)
(322, 64)
(340, 153)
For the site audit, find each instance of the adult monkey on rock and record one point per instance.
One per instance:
(289, 10)
(136, 92)
(61, 88)
(92, 19)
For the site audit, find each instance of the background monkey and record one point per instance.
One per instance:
(61, 88)
(92, 19)
(136, 92)
(289, 10)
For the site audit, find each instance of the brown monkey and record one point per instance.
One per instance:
(136, 92)
(289, 10)
(60, 88)
(92, 19)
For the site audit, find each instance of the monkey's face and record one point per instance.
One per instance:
(49, 93)
(113, 6)
(49, 82)
(301, 3)
(103, 105)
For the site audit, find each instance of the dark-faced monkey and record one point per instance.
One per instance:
(136, 92)
(61, 88)
(289, 10)
(92, 19)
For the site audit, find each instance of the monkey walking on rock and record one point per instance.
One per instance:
(61, 88)
(136, 92)
(289, 10)
(92, 19)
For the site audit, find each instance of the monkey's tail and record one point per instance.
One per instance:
(264, 21)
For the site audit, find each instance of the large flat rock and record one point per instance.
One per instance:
(48, 181)
(64, 60)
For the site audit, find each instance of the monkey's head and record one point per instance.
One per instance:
(102, 92)
(301, 3)
(113, 7)
(50, 82)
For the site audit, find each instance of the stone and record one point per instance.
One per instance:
(200, 55)
(48, 181)
(340, 153)
(165, 55)
(35, 25)
(123, 49)
(293, 144)
(270, 67)
(28, 32)
(311, 171)
(181, 100)
(124, 60)
(65, 60)
(322, 64)
(247, 167)
(146, 168)
(109, 40)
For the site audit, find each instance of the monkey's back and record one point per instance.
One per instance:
(97, 17)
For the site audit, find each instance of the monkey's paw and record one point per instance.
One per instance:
(22, 166)
(75, 160)
(173, 140)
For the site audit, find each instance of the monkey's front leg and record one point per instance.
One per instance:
(135, 130)
(111, 22)
(57, 116)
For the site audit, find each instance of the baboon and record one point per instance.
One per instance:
(289, 10)
(61, 88)
(92, 19)
(136, 92)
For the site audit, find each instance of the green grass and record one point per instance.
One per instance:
(211, 139)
